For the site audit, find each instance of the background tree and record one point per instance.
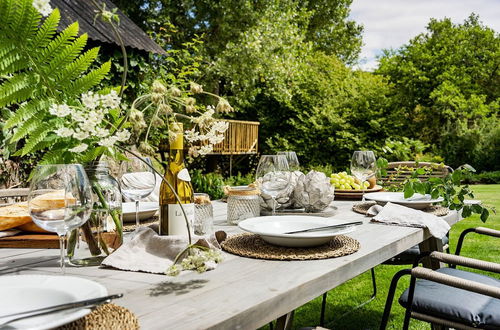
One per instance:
(448, 83)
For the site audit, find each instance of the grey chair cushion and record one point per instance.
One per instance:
(443, 301)
(409, 256)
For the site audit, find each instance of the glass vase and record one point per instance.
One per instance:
(103, 232)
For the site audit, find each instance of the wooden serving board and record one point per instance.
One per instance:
(354, 194)
(30, 241)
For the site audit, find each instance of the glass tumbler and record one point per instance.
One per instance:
(203, 215)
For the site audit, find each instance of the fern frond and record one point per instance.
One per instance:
(52, 157)
(26, 22)
(17, 89)
(89, 80)
(11, 61)
(38, 140)
(46, 31)
(91, 154)
(63, 39)
(75, 69)
(26, 111)
(36, 137)
(66, 56)
(27, 127)
(7, 8)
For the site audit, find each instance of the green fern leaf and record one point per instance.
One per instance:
(91, 154)
(17, 89)
(36, 137)
(75, 69)
(46, 31)
(27, 127)
(26, 22)
(10, 60)
(7, 8)
(62, 40)
(26, 111)
(89, 80)
(66, 56)
(44, 141)
(53, 157)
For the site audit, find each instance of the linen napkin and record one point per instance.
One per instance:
(395, 214)
(149, 252)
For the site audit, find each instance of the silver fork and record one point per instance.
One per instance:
(6, 319)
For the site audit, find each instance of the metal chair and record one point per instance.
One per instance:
(448, 296)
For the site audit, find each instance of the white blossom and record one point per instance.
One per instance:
(108, 142)
(79, 148)
(42, 6)
(206, 149)
(191, 135)
(111, 100)
(64, 132)
(220, 126)
(214, 139)
(81, 135)
(101, 132)
(123, 135)
(90, 100)
(59, 110)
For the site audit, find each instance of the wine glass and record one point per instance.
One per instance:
(60, 200)
(363, 167)
(137, 180)
(273, 176)
(291, 157)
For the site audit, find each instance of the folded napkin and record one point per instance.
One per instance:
(149, 252)
(395, 214)
(9, 232)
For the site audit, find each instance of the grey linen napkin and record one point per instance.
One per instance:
(395, 214)
(149, 252)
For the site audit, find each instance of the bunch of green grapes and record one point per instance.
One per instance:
(345, 181)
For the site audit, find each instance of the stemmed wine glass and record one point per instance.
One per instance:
(291, 157)
(363, 167)
(273, 176)
(137, 180)
(60, 200)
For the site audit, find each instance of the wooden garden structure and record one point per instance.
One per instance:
(241, 138)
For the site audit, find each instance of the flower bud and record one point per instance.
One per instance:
(195, 88)
(165, 109)
(190, 101)
(146, 148)
(223, 106)
(175, 92)
(158, 87)
(190, 109)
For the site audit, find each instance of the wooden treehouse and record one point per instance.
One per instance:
(241, 138)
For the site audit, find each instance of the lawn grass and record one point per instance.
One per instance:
(345, 297)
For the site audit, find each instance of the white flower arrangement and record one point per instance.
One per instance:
(43, 7)
(88, 125)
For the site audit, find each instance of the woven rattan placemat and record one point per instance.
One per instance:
(104, 317)
(437, 210)
(252, 246)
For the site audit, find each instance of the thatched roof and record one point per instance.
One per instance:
(84, 12)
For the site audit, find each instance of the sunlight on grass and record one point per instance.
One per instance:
(345, 297)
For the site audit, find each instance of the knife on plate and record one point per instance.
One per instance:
(6, 319)
(342, 225)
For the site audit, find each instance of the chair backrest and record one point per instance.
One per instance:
(398, 172)
(9, 196)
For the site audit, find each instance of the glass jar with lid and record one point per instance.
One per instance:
(242, 202)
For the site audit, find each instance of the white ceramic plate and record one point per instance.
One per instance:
(21, 293)
(272, 229)
(417, 201)
(146, 210)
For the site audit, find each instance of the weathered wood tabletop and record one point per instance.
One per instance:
(241, 293)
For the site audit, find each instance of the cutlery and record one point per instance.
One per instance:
(6, 319)
(355, 223)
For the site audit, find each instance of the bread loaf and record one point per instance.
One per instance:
(14, 215)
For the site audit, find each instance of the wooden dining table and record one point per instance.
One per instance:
(241, 293)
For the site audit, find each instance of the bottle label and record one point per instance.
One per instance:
(184, 175)
(176, 221)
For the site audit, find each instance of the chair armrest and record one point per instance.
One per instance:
(477, 230)
(429, 274)
(465, 261)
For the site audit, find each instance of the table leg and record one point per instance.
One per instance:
(432, 244)
(285, 321)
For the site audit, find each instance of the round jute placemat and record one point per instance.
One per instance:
(437, 210)
(252, 246)
(104, 317)
(132, 226)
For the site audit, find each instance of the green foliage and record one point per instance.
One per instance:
(484, 177)
(406, 149)
(450, 188)
(39, 67)
(210, 183)
(447, 85)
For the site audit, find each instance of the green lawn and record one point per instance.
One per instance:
(343, 298)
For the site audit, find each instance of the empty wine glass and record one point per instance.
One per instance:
(60, 200)
(137, 180)
(291, 157)
(273, 176)
(363, 167)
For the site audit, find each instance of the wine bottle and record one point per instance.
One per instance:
(172, 221)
